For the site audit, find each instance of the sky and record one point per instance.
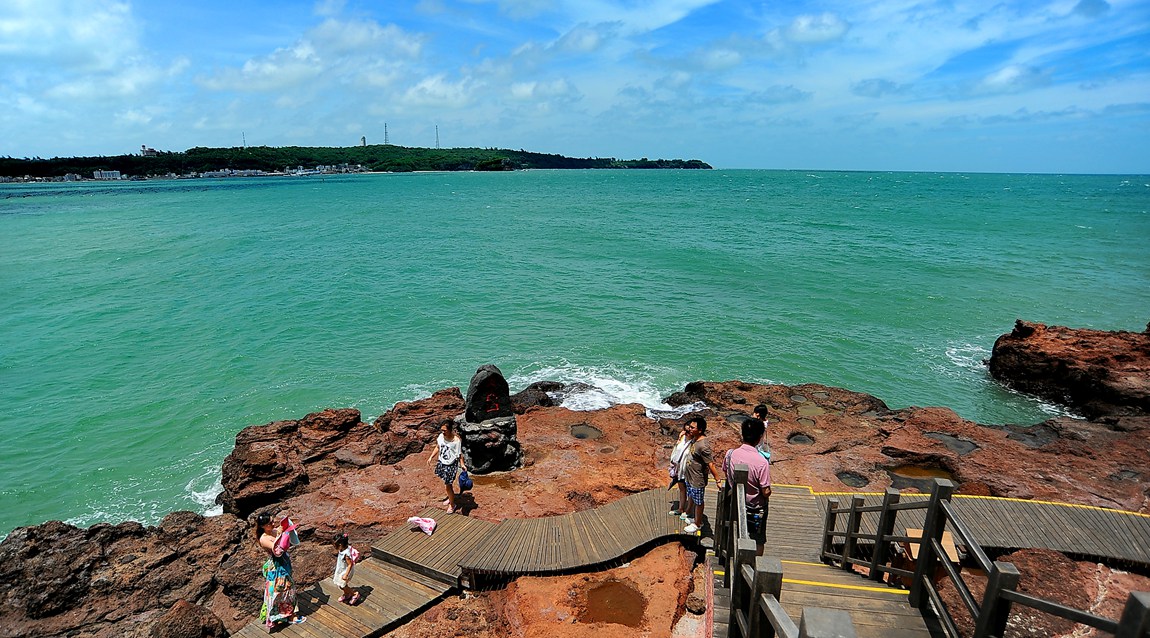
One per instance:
(1060, 86)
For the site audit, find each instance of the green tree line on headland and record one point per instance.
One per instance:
(377, 157)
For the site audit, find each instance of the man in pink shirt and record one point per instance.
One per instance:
(758, 478)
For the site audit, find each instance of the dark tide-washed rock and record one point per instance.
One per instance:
(1099, 373)
(110, 580)
(185, 620)
(488, 396)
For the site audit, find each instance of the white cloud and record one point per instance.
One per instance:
(525, 91)
(366, 37)
(437, 91)
(1012, 79)
(284, 69)
(329, 7)
(720, 59)
(816, 29)
(634, 16)
(82, 35)
(361, 53)
(584, 38)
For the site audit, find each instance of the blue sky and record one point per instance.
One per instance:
(946, 85)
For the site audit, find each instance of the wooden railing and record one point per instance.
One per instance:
(756, 582)
(989, 615)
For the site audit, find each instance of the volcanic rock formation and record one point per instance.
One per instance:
(1096, 372)
(330, 472)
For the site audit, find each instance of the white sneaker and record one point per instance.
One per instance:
(691, 529)
(684, 517)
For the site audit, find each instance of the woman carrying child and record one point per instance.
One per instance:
(279, 590)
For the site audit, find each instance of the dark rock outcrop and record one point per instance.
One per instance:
(488, 426)
(116, 580)
(185, 620)
(535, 395)
(488, 396)
(1096, 372)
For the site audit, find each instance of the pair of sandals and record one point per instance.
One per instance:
(351, 601)
(450, 508)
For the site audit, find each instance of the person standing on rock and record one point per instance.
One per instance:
(678, 472)
(700, 459)
(761, 414)
(279, 589)
(758, 488)
(448, 457)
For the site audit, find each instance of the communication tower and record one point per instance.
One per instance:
(386, 141)
(437, 136)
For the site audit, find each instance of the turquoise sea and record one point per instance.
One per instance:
(145, 323)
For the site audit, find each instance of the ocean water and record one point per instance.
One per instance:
(145, 323)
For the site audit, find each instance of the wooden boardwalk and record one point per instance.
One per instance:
(1006, 524)
(390, 596)
(794, 535)
(571, 541)
(409, 570)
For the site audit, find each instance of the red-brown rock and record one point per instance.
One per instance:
(185, 620)
(1083, 585)
(1099, 372)
(331, 472)
(558, 607)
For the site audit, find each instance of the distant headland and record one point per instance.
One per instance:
(247, 161)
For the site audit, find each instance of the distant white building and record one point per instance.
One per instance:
(106, 175)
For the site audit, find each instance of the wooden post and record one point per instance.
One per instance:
(885, 528)
(826, 623)
(854, 521)
(993, 612)
(722, 524)
(828, 527)
(933, 528)
(742, 472)
(768, 580)
(740, 590)
(1135, 620)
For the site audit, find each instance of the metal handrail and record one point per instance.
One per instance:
(991, 614)
(756, 581)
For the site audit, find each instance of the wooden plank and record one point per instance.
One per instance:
(583, 539)
(1140, 526)
(1123, 536)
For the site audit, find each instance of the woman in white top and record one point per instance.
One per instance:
(678, 472)
(448, 456)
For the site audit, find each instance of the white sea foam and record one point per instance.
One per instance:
(969, 360)
(204, 489)
(604, 386)
(968, 356)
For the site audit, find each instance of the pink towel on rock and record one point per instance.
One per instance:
(425, 524)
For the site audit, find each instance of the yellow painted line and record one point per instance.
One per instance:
(1074, 505)
(971, 496)
(801, 562)
(815, 583)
